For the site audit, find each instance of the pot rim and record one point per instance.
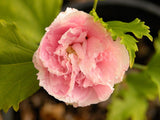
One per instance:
(140, 4)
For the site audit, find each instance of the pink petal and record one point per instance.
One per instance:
(121, 54)
(84, 96)
(103, 91)
(94, 47)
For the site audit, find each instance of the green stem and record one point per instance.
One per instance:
(95, 4)
(139, 66)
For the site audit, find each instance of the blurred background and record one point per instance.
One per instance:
(41, 106)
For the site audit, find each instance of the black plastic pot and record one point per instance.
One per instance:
(128, 10)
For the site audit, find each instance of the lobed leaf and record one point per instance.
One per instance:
(131, 101)
(157, 43)
(138, 28)
(142, 85)
(121, 30)
(17, 73)
(154, 69)
(154, 65)
(129, 106)
(17, 82)
(31, 16)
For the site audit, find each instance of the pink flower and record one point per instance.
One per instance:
(78, 61)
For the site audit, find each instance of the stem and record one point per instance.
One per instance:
(95, 4)
(139, 66)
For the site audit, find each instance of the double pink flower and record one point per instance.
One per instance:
(78, 61)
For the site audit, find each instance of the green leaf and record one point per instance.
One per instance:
(131, 100)
(138, 28)
(17, 82)
(31, 16)
(128, 106)
(17, 73)
(121, 30)
(157, 43)
(142, 84)
(130, 43)
(154, 70)
(154, 65)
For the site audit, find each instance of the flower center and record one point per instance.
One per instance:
(70, 50)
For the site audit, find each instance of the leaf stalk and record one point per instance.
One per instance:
(139, 66)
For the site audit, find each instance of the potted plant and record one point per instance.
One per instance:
(134, 98)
